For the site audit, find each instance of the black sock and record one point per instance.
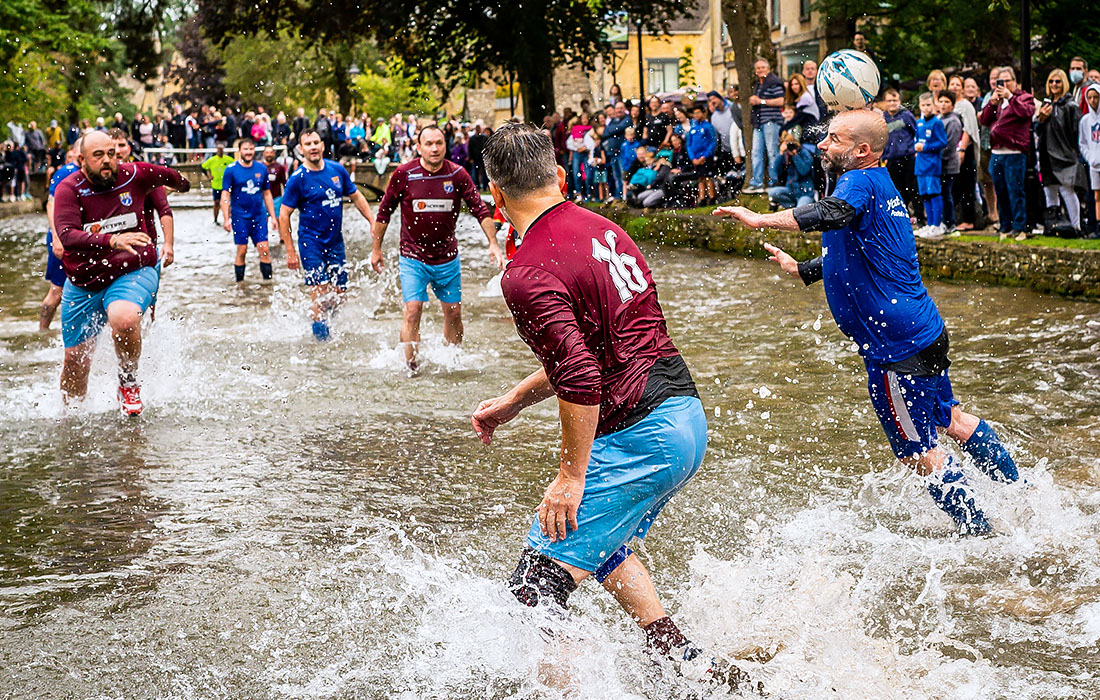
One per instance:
(127, 379)
(265, 270)
(663, 635)
(238, 270)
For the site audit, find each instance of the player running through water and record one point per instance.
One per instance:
(276, 178)
(55, 273)
(318, 188)
(110, 262)
(247, 192)
(430, 191)
(633, 428)
(875, 292)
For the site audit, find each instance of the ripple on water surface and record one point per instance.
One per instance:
(294, 520)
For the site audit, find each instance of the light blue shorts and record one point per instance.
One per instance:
(631, 475)
(84, 313)
(277, 202)
(445, 279)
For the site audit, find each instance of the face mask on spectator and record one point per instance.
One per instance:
(1076, 76)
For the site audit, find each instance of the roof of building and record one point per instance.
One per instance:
(690, 25)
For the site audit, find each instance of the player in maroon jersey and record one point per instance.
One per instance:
(633, 428)
(110, 261)
(431, 191)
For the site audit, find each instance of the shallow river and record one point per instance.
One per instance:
(297, 520)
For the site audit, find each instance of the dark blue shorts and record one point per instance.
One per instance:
(910, 408)
(217, 195)
(55, 273)
(246, 229)
(323, 264)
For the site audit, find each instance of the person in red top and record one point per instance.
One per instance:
(633, 428)
(430, 191)
(276, 177)
(110, 261)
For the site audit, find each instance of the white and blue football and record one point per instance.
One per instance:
(848, 79)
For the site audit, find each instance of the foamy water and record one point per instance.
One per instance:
(291, 519)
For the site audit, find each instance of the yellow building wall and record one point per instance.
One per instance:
(670, 46)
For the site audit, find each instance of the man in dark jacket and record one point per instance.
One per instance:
(476, 148)
(613, 136)
(1008, 114)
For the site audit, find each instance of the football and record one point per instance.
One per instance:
(848, 79)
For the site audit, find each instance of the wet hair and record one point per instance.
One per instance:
(307, 132)
(519, 158)
(429, 127)
(117, 135)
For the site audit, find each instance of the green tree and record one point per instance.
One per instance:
(686, 68)
(449, 40)
(389, 89)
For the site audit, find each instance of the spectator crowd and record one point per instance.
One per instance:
(979, 151)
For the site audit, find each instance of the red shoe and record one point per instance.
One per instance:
(129, 398)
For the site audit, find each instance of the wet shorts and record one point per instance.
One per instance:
(445, 280)
(323, 264)
(910, 408)
(217, 195)
(55, 273)
(631, 475)
(250, 228)
(84, 313)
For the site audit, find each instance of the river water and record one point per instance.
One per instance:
(297, 520)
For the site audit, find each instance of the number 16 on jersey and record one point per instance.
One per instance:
(623, 267)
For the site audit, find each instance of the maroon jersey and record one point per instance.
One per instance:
(156, 206)
(276, 178)
(583, 298)
(430, 203)
(86, 218)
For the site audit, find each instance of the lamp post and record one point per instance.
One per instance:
(1025, 45)
(641, 70)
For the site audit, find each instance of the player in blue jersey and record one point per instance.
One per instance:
(875, 292)
(246, 193)
(318, 188)
(55, 274)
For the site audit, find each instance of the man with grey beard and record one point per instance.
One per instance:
(868, 264)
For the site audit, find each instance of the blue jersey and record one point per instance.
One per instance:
(933, 135)
(246, 186)
(319, 195)
(872, 279)
(60, 174)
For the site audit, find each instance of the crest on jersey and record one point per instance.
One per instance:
(126, 198)
(448, 186)
(335, 180)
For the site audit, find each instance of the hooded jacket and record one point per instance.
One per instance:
(1057, 150)
(1089, 132)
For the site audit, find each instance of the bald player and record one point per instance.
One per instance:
(874, 289)
(110, 261)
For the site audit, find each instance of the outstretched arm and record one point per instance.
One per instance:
(781, 220)
(495, 412)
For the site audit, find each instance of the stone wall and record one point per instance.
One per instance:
(1063, 271)
(26, 206)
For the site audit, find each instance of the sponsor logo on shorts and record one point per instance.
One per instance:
(114, 224)
(448, 186)
(126, 198)
(433, 205)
